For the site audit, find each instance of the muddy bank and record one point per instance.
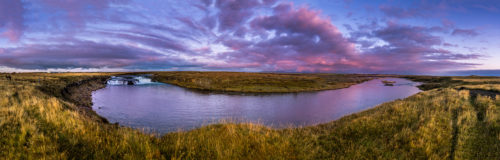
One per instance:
(80, 94)
(77, 91)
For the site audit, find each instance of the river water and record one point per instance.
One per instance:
(163, 108)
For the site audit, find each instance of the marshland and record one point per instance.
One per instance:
(50, 116)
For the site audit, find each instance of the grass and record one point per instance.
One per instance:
(38, 120)
(477, 79)
(433, 82)
(259, 82)
(34, 125)
(488, 87)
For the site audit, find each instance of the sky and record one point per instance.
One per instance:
(330, 36)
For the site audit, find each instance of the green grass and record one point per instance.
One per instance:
(442, 123)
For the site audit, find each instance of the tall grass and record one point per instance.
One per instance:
(435, 124)
(34, 125)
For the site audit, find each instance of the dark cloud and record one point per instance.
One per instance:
(12, 13)
(233, 13)
(84, 54)
(405, 35)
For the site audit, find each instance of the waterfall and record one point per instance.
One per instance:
(143, 80)
(130, 80)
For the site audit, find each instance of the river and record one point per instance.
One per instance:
(163, 108)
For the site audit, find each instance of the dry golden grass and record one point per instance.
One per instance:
(488, 87)
(34, 125)
(259, 82)
(478, 79)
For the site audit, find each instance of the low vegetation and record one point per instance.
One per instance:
(259, 82)
(433, 82)
(38, 120)
(487, 87)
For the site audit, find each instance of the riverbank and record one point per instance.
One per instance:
(439, 123)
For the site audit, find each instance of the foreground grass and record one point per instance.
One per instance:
(441, 123)
(34, 125)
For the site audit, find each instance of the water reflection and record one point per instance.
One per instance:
(165, 108)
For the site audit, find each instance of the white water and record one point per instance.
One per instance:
(123, 80)
(144, 80)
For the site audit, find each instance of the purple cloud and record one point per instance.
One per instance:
(398, 12)
(83, 54)
(11, 19)
(464, 32)
(260, 35)
(234, 12)
(411, 49)
(405, 35)
(294, 38)
(80, 11)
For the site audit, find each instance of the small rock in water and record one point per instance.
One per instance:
(389, 83)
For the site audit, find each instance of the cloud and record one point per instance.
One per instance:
(11, 20)
(410, 49)
(464, 32)
(489, 8)
(85, 54)
(257, 35)
(292, 39)
(148, 39)
(398, 12)
(405, 35)
(233, 13)
(79, 12)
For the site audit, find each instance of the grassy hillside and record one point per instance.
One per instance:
(443, 123)
(36, 125)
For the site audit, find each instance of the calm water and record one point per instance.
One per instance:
(163, 107)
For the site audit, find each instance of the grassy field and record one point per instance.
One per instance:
(43, 119)
(259, 82)
(491, 84)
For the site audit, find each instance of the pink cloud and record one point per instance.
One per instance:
(11, 19)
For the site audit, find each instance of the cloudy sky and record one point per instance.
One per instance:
(341, 36)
